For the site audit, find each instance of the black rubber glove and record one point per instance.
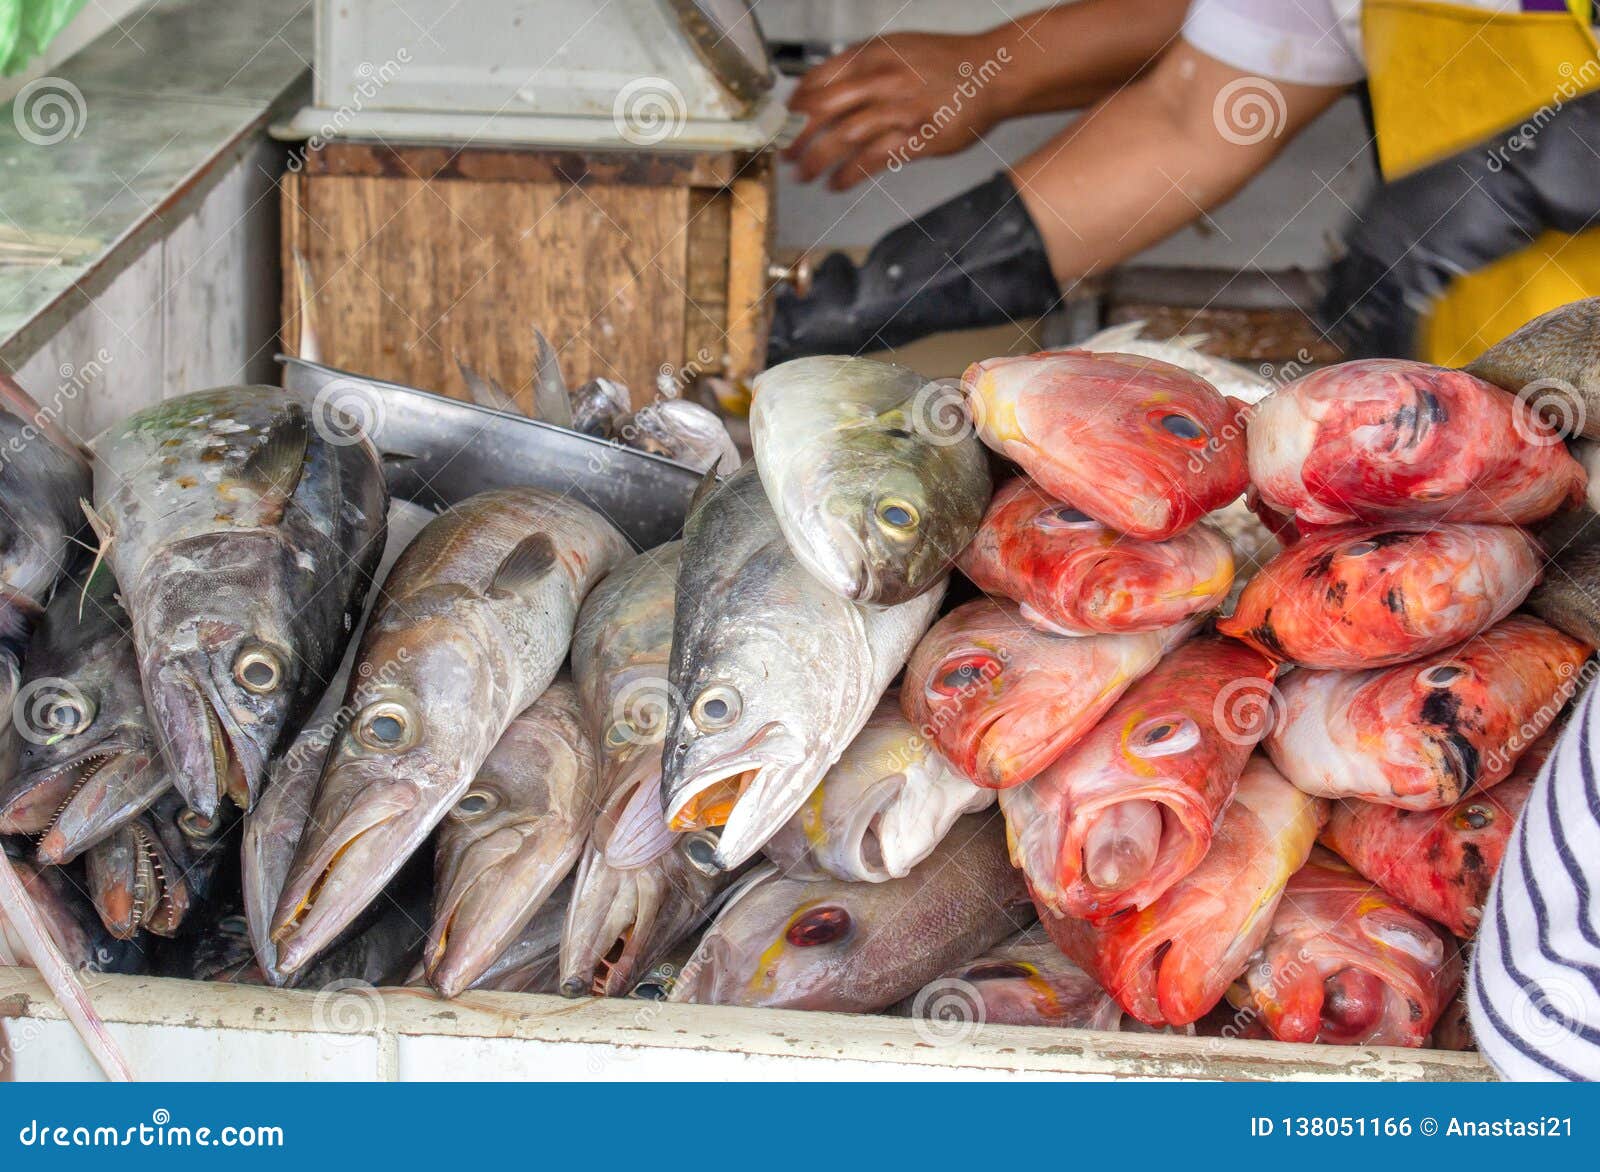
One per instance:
(975, 260)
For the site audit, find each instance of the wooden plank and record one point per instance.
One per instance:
(705, 326)
(292, 225)
(527, 164)
(751, 227)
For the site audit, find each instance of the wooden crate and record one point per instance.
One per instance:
(632, 263)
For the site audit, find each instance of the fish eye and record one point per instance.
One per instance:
(195, 825)
(1360, 549)
(651, 989)
(476, 802)
(619, 735)
(820, 925)
(700, 849)
(895, 513)
(716, 708)
(1163, 736)
(1474, 817)
(386, 727)
(1064, 517)
(69, 717)
(1441, 675)
(1180, 426)
(964, 671)
(258, 670)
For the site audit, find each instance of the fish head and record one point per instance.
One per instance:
(136, 883)
(218, 655)
(404, 758)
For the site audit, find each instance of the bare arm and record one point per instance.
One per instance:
(1154, 156)
(882, 96)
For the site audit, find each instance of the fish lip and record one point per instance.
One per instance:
(61, 776)
(766, 746)
(75, 828)
(201, 739)
(535, 865)
(870, 810)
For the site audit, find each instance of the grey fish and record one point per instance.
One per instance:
(681, 431)
(151, 872)
(243, 525)
(43, 477)
(599, 406)
(881, 809)
(1023, 981)
(528, 964)
(875, 491)
(858, 947)
(58, 895)
(1560, 352)
(512, 837)
(474, 621)
(89, 759)
(772, 673)
(1568, 596)
(273, 829)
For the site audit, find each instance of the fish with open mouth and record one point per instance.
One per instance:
(1439, 863)
(858, 947)
(1555, 359)
(59, 899)
(1171, 962)
(243, 525)
(772, 672)
(1389, 439)
(89, 758)
(1138, 444)
(1345, 965)
(875, 500)
(42, 480)
(1002, 699)
(1074, 576)
(153, 870)
(1424, 735)
(503, 848)
(474, 622)
(1022, 981)
(1131, 808)
(1365, 596)
(882, 808)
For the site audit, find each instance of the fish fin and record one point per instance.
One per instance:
(486, 392)
(395, 459)
(309, 349)
(1111, 337)
(280, 461)
(708, 485)
(1190, 341)
(104, 537)
(532, 558)
(551, 402)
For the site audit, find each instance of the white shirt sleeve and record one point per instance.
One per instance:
(1303, 42)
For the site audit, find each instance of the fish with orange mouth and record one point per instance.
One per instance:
(1002, 699)
(1073, 575)
(1136, 443)
(1424, 735)
(1346, 965)
(1365, 596)
(1439, 863)
(1389, 439)
(1131, 808)
(1171, 962)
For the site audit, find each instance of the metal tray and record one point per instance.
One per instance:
(457, 449)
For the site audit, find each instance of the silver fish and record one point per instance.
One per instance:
(681, 431)
(858, 947)
(529, 962)
(243, 525)
(880, 810)
(1553, 362)
(873, 498)
(772, 673)
(474, 622)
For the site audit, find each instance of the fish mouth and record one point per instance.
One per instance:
(111, 785)
(609, 923)
(211, 756)
(133, 889)
(867, 848)
(343, 870)
(750, 792)
(42, 794)
(497, 885)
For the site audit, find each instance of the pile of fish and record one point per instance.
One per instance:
(1080, 687)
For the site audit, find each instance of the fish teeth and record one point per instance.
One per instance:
(87, 768)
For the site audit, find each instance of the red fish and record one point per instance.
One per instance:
(1345, 964)
(1423, 735)
(1393, 440)
(1002, 700)
(1369, 596)
(1169, 963)
(1130, 809)
(1136, 443)
(1439, 863)
(1075, 576)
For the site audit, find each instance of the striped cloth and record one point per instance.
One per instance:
(1533, 991)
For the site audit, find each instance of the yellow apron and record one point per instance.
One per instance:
(1443, 77)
